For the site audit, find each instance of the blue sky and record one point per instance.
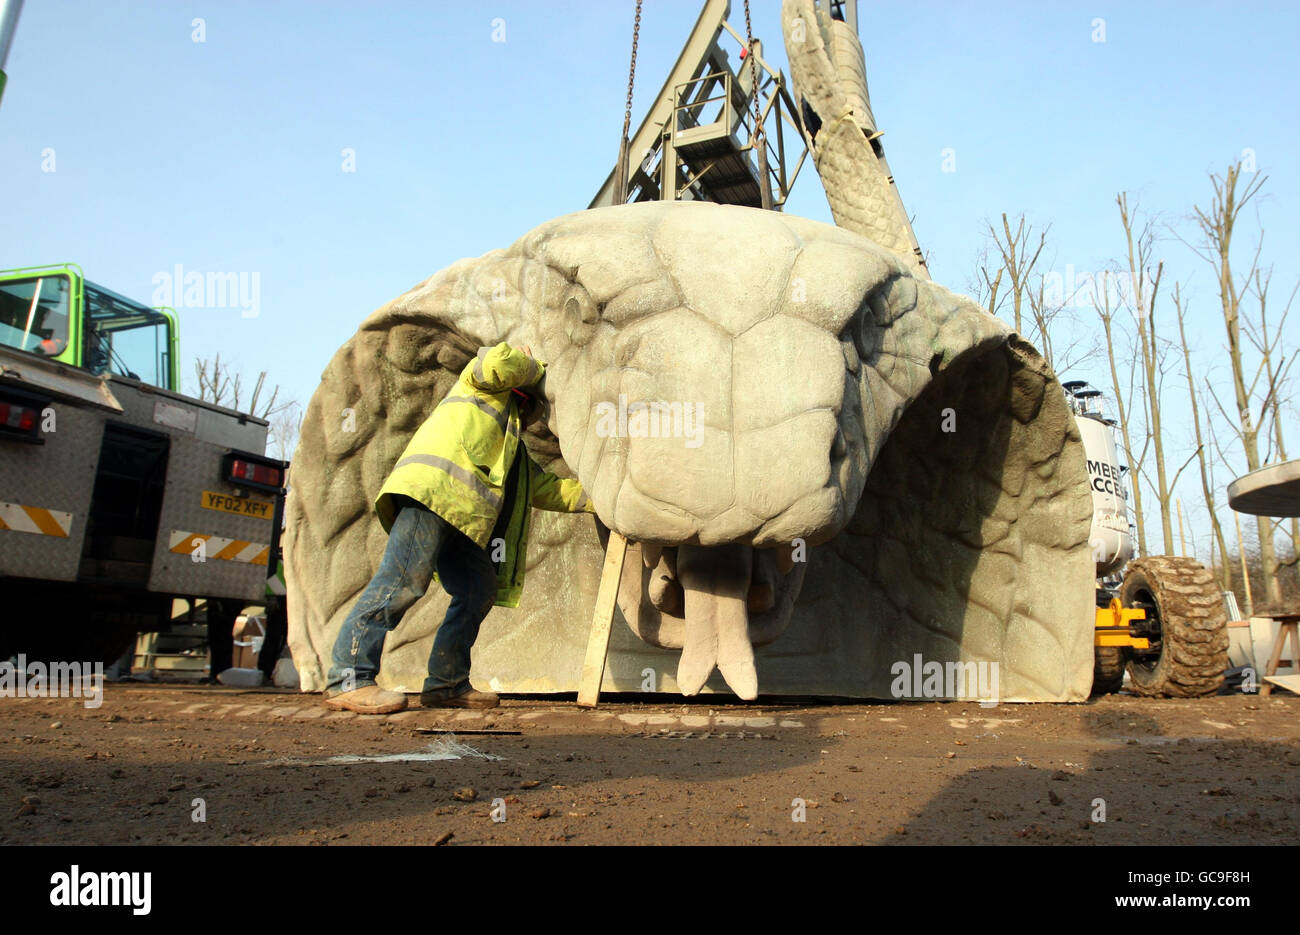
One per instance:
(227, 154)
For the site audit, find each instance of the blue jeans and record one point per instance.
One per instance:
(419, 541)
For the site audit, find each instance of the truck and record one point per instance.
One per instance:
(1160, 618)
(118, 492)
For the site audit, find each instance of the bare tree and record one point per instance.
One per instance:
(285, 425)
(1018, 255)
(1202, 456)
(1217, 225)
(1007, 274)
(1145, 286)
(1057, 331)
(1218, 458)
(218, 384)
(1276, 376)
(1043, 311)
(1123, 403)
(987, 284)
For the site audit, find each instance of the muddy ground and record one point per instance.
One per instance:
(1223, 770)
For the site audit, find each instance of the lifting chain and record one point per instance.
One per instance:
(753, 70)
(620, 169)
(631, 74)
(760, 143)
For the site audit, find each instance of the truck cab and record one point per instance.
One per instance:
(55, 312)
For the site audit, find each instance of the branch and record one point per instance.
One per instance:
(1178, 473)
(1234, 425)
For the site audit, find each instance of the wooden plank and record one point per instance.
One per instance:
(1290, 682)
(602, 620)
(1284, 631)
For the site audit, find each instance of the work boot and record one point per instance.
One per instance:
(370, 699)
(466, 699)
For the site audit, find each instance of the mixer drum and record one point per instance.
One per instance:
(1112, 545)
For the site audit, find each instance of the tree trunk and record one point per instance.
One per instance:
(1207, 490)
(1275, 390)
(1217, 226)
(1144, 313)
(1121, 411)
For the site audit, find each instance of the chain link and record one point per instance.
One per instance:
(753, 66)
(631, 74)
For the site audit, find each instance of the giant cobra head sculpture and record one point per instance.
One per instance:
(797, 435)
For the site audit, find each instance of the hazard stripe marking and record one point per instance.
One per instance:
(16, 517)
(230, 550)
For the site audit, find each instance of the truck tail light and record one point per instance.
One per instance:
(245, 470)
(18, 417)
(260, 473)
(19, 420)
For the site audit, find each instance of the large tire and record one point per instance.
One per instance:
(1107, 669)
(1186, 612)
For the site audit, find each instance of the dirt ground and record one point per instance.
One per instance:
(255, 765)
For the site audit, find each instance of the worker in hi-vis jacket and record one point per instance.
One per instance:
(460, 495)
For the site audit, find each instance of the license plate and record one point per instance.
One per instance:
(240, 506)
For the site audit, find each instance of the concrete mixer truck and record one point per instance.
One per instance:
(1161, 618)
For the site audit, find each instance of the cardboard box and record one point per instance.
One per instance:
(249, 634)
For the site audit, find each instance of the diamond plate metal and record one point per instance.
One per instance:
(58, 475)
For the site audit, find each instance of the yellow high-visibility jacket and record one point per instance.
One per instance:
(458, 461)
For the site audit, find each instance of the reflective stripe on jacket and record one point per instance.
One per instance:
(458, 461)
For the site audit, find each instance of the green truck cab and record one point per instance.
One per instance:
(56, 312)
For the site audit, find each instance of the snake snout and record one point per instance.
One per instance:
(698, 436)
